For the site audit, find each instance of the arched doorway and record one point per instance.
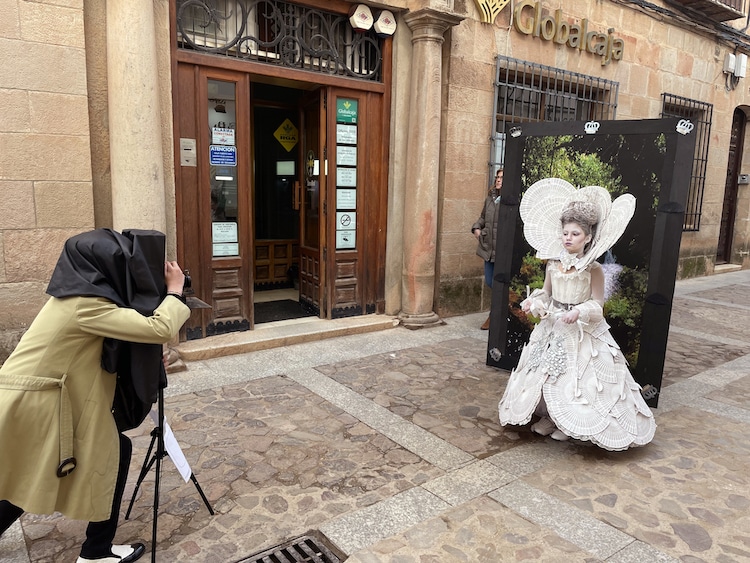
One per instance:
(729, 208)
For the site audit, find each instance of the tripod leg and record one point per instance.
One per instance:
(200, 492)
(156, 509)
(144, 471)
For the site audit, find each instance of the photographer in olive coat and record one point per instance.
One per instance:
(62, 451)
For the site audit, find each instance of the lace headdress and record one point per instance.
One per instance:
(542, 207)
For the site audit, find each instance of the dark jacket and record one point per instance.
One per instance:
(487, 223)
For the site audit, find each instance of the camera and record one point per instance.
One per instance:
(187, 286)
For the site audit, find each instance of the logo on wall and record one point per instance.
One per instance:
(490, 9)
(530, 18)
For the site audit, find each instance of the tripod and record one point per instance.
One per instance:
(155, 457)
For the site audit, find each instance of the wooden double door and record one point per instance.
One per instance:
(280, 189)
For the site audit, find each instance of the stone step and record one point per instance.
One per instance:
(281, 333)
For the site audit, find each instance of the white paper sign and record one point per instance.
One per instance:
(346, 199)
(346, 239)
(346, 220)
(346, 156)
(346, 177)
(224, 231)
(173, 448)
(222, 136)
(227, 249)
(346, 134)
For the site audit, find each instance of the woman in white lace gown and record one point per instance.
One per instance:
(572, 373)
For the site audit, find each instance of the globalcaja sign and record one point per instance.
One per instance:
(529, 19)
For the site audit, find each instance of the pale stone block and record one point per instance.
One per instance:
(53, 24)
(471, 100)
(458, 243)
(20, 303)
(9, 26)
(452, 266)
(15, 115)
(31, 255)
(64, 205)
(467, 157)
(471, 186)
(44, 67)
(63, 114)
(76, 4)
(476, 75)
(459, 215)
(485, 41)
(2, 260)
(639, 77)
(676, 37)
(465, 127)
(44, 157)
(684, 64)
(17, 209)
(461, 39)
(647, 53)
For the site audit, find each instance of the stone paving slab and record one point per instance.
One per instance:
(389, 443)
(688, 497)
(479, 531)
(710, 319)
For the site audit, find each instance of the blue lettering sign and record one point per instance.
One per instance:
(222, 155)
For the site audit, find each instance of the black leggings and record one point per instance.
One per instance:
(99, 535)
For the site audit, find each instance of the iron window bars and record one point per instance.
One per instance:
(279, 33)
(529, 92)
(700, 113)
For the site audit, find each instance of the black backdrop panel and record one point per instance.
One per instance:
(650, 159)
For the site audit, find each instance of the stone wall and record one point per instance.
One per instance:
(659, 57)
(45, 164)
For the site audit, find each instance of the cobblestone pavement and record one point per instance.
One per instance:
(388, 443)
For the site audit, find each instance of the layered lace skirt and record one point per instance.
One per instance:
(584, 380)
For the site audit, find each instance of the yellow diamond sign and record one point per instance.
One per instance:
(287, 135)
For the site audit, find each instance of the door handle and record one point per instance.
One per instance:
(297, 195)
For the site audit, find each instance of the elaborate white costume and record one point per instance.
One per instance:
(577, 369)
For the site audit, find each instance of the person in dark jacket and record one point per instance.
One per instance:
(485, 231)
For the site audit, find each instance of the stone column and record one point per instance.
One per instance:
(422, 156)
(137, 168)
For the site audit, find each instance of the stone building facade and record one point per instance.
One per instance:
(104, 100)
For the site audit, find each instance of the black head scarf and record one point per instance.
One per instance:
(127, 269)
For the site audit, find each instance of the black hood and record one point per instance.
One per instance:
(128, 269)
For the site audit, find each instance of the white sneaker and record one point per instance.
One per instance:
(559, 435)
(544, 426)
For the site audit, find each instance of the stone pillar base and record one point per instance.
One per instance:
(421, 320)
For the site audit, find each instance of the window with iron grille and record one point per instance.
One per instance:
(529, 92)
(700, 114)
(280, 33)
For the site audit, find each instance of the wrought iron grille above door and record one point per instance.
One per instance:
(279, 33)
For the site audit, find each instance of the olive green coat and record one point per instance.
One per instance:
(55, 397)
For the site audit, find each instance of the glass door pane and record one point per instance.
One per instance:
(222, 123)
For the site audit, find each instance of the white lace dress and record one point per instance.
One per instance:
(578, 370)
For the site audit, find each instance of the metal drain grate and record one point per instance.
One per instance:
(309, 548)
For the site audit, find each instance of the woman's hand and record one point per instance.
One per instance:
(571, 316)
(174, 277)
(477, 233)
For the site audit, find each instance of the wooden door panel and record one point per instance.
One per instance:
(221, 281)
(312, 205)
